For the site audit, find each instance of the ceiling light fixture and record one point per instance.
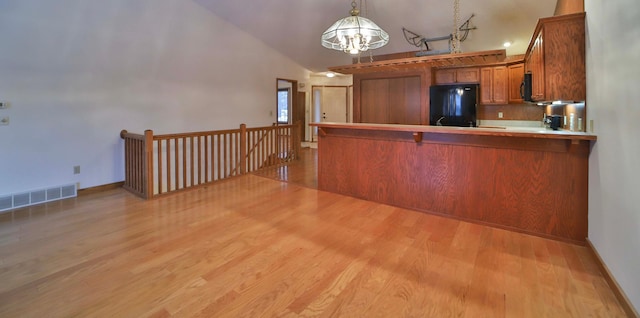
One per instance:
(507, 44)
(354, 34)
(331, 74)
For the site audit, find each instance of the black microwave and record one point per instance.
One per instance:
(525, 88)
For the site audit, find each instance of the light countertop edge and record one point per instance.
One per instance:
(527, 132)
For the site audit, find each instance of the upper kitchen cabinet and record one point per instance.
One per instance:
(535, 65)
(516, 76)
(556, 58)
(457, 75)
(494, 85)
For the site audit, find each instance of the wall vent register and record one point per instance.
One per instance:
(24, 199)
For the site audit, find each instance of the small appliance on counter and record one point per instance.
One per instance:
(554, 121)
(567, 116)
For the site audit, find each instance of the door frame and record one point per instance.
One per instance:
(348, 103)
(293, 101)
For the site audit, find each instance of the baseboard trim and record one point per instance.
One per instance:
(100, 188)
(613, 284)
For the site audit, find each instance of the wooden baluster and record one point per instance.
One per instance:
(191, 161)
(218, 165)
(148, 163)
(276, 142)
(250, 149)
(198, 168)
(168, 146)
(256, 150)
(134, 165)
(184, 162)
(159, 166)
(127, 162)
(232, 152)
(287, 141)
(206, 158)
(243, 149)
(226, 155)
(176, 153)
(236, 151)
(138, 166)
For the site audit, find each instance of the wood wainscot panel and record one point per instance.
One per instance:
(533, 185)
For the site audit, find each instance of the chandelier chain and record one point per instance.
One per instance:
(455, 35)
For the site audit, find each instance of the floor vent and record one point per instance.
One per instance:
(19, 200)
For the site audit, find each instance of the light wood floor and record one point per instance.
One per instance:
(254, 246)
(303, 172)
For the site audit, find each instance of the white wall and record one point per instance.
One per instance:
(76, 72)
(613, 102)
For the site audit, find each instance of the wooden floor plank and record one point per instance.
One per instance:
(264, 245)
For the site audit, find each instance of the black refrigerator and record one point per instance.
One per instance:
(453, 105)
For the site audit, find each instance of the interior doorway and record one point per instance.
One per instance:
(290, 104)
(329, 104)
(286, 101)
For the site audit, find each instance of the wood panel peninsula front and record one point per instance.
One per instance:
(527, 180)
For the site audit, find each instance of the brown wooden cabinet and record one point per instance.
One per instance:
(516, 76)
(556, 58)
(493, 85)
(457, 75)
(535, 66)
(390, 100)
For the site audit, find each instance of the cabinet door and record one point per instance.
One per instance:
(374, 101)
(493, 85)
(404, 100)
(467, 75)
(500, 83)
(486, 85)
(516, 76)
(445, 76)
(537, 69)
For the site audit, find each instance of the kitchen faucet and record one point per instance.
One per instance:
(438, 123)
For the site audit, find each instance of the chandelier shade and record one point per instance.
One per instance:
(354, 34)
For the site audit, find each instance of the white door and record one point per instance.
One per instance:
(330, 104)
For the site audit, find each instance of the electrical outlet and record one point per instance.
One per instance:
(500, 115)
(76, 169)
(4, 121)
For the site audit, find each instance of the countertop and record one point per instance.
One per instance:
(524, 132)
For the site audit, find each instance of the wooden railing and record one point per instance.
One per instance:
(161, 164)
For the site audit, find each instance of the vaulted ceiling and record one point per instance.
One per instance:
(293, 27)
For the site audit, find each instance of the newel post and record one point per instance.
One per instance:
(148, 164)
(297, 138)
(243, 149)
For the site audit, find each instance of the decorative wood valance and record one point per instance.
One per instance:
(442, 60)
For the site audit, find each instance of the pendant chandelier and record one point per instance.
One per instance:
(354, 34)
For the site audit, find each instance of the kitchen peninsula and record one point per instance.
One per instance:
(529, 180)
